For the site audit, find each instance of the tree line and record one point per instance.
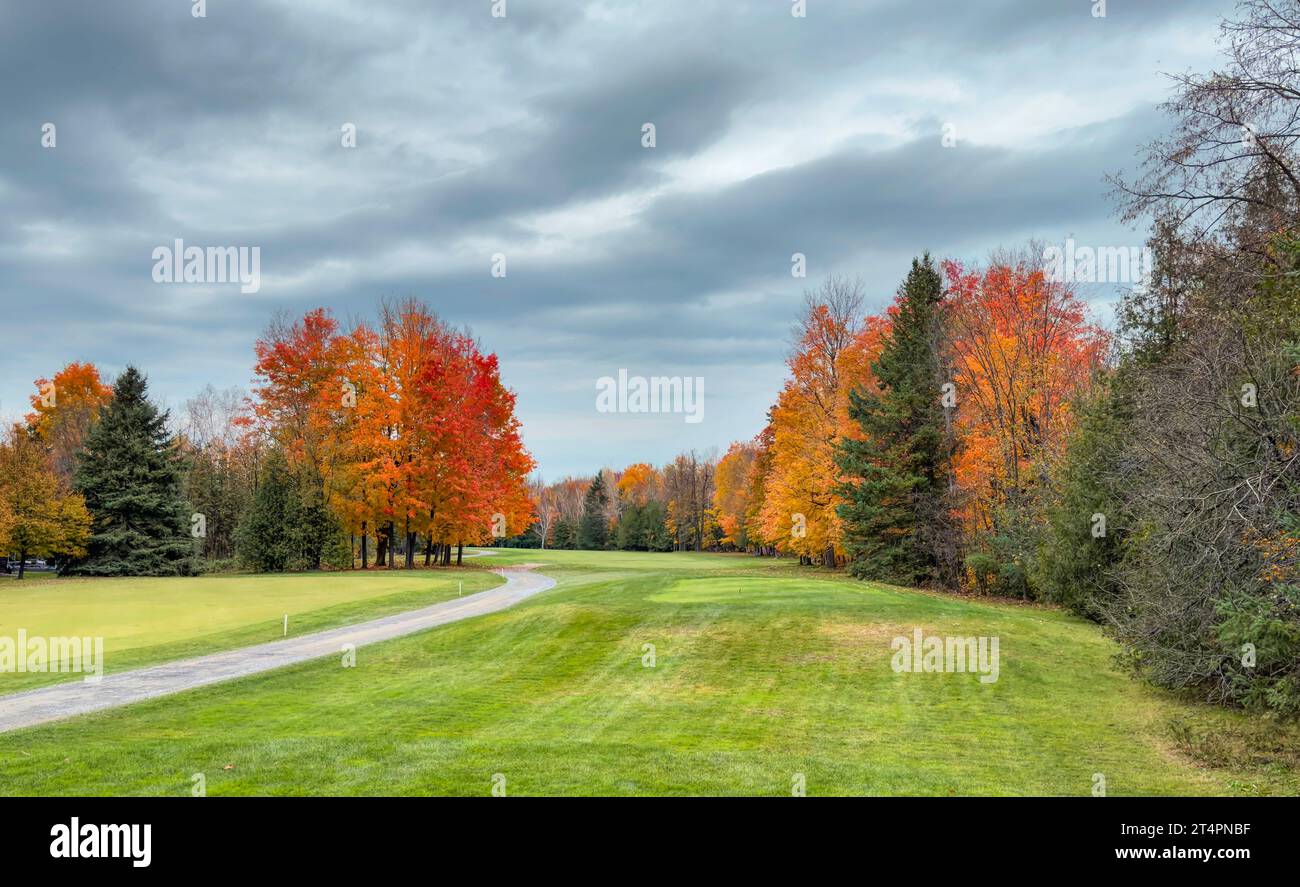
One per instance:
(357, 447)
(982, 434)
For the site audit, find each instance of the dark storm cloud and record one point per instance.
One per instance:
(523, 136)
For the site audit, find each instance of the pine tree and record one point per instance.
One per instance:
(287, 526)
(593, 532)
(897, 475)
(1083, 539)
(266, 536)
(130, 476)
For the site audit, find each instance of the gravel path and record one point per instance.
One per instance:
(78, 697)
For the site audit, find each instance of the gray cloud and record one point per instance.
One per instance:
(478, 135)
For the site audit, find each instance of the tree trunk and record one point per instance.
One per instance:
(410, 545)
(446, 554)
(460, 551)
(428, 549)
(22, 562)
(365, 537)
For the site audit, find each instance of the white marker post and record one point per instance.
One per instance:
(460, 588)
(286, 624)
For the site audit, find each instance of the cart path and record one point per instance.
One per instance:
(78, 697)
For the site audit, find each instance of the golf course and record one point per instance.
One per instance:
(638, 674)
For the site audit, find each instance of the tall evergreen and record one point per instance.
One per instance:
(287, 526)
(130, 474)
(593, 532)
(895, 511)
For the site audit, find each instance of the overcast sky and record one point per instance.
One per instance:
(523, 136)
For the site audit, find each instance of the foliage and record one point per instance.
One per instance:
(130, 476)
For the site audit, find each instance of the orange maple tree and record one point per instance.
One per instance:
(1022, 350)
(64, 409)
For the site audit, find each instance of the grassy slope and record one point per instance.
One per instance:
(145, 621)
(763, 671)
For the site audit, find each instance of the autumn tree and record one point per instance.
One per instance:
(300, 403)
(39, 517)
(732, 492)
(642, 514)
(64, 409)
(688, 492)
(1023, 351)
(403, 430)
(834, 346)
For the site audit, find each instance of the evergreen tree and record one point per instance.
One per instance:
(1082, 541)
(566, 535)
(130, 475)
(288, 527)
(895, 513)
(266, 536)
(593, 532)
(643, 528)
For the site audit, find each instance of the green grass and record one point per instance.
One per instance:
(763, 671)
(146, 621)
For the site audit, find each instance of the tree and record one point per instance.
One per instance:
(1229, 164)
(130, 475)
(63, 411)
(548, 508)
(222, 461)
(38, 517)
(287, 527)
(593, 533)
(309, 379)
(688, 495)
(1023, 351)
(832, 354)
(732, 491)
(405, 428)
(266, 536)
(899, 468)
(1088, 519)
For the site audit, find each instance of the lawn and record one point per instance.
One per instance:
(764, 674)
(145, 621)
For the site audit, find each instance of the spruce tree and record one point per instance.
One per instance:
(267, 536)
(130, 475)
(895, 511)
(593, 532)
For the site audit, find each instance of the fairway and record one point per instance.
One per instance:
(763, 675)
(148, 620)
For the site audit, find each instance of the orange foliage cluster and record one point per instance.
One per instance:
(1020, 348)
(1022, 351)
(406, 424)
(63, 411)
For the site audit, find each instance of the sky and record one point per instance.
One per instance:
(523, 136)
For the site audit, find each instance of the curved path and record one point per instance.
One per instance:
(79, 697)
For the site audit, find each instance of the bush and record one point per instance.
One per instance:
(983, 570)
